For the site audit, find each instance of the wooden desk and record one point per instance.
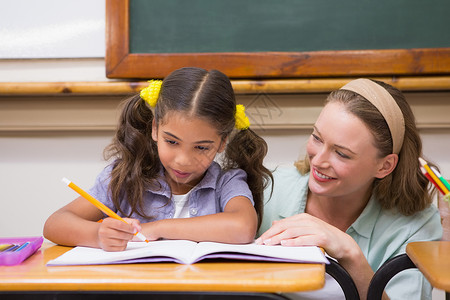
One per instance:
(433, 260)
(243, 277)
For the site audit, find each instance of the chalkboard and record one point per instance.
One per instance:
(278, 38)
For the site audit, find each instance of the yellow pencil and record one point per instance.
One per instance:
(99, 205)
(435, 178)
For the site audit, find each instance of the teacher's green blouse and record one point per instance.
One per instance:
(381, 234)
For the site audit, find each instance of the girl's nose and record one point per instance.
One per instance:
(183, 159)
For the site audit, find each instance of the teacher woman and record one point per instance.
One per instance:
(359, 193)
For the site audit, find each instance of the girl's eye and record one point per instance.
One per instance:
(171, 142)
(202, 148)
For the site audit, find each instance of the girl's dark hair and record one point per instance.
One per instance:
(406, 188)
(197, 93)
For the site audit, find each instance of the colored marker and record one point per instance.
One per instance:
(22, 246)
(424, 172)
(100, 205)
(429, 171)
(4, 247)
(11, 249)
(442, 179)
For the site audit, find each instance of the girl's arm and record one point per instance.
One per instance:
(237, 224)
(76, 225)
(306, 230)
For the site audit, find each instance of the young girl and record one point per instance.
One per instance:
(164, 179)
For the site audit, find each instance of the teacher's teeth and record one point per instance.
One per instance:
(322, 176)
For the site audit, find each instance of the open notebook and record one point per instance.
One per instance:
(188, 252)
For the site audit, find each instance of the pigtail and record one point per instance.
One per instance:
(136, 163)
(246, 150)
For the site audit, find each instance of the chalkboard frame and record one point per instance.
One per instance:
(120, 63)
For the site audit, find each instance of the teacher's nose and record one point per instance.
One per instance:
(321, 159)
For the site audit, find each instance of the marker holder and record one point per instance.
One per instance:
(11, 258)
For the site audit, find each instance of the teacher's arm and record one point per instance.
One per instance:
(306, 230)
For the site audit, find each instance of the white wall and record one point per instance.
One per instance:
(40, 40)
(52, 29)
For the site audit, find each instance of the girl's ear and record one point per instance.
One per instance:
(154, 131)
(387, 165)
(222, 145)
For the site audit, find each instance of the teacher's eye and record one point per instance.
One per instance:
(341, 154)
(316, 137)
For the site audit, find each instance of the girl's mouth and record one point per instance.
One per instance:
(180, 174)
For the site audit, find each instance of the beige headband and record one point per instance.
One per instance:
(386, 105)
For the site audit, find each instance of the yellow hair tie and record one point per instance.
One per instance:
(151, 93)
(242, 121)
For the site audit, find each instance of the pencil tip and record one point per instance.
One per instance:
(422, 161)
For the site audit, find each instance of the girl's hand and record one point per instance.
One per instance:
(151, 230)
(114, 235)
(306, 230)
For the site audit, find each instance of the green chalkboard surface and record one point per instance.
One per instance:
(186, 26)
(278, 38)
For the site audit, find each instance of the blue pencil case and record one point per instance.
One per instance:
(11, 258)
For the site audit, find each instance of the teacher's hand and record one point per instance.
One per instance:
(306, 230)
